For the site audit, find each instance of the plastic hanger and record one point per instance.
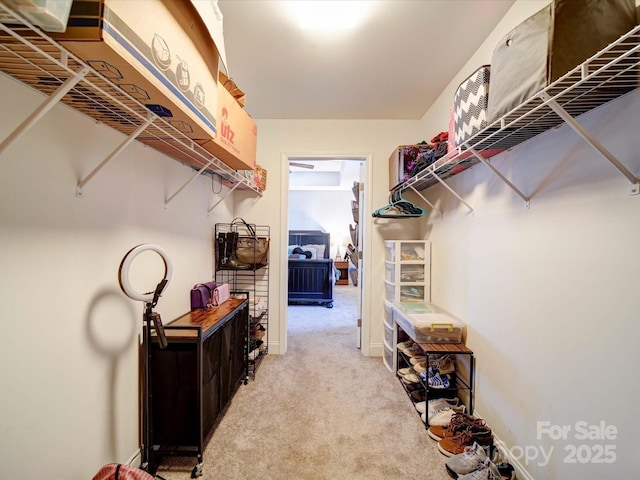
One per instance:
(399, 207)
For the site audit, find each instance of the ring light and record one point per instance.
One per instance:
(128, 259)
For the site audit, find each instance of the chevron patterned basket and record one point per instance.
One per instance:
(470, 105)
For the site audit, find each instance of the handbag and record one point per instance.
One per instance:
(202, 295)
(221, 294)
(251, 250)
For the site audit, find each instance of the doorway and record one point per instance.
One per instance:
(318, 194)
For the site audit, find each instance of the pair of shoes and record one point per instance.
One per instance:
(419, 366)
(443, 417)
(418, 359)
(435, 379)
(413, 351)
(437, 404)
(472, 464)
(464, 438)
(445, 364)
(418, 396)
(459, 421)
(405, 345)
(405, 371)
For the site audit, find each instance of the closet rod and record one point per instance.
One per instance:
(501, 177)
(122, 146)
(198, 173)
(562, 113)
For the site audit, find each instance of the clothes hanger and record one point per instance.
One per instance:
(399, 207)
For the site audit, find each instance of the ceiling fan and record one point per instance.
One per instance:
(301, 165)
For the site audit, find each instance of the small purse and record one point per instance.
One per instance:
(221, 294)
(202, 295)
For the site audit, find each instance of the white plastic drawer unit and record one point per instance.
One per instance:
(407, 271)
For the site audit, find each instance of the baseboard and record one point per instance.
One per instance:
(505, 453)
(376, 350)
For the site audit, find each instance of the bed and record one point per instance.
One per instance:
(310, 280)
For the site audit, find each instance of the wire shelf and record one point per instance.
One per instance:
(610, 73)
(30, 56)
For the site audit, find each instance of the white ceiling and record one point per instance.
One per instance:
(391, 66)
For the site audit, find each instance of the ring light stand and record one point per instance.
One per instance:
(151, 320)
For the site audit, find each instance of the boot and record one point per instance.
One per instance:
(221, 251)
(232, 245)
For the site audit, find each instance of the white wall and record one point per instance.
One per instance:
(327, 210)
(549, 293)
(69, 362)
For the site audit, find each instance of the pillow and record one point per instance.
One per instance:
(290, 249)
(309, 248)
(319, 249)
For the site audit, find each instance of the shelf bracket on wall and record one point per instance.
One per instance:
(191, 180)
(223, 197)
(451, 190)
(116, 152)
(426, 201)
(47, 105)
(634, 188)
(497, 173)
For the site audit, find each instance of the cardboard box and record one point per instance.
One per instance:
(159, 52)
(237, 137)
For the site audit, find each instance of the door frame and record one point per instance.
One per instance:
(364, 283)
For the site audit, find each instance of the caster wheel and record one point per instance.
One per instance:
(197, 471)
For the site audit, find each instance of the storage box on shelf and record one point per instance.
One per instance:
(146, 48)
(428, 323)
(550, 43)
(407, 271)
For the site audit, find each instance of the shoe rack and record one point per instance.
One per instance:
(461, 381)
(252, 279)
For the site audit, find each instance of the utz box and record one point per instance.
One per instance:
(160, 52)
(237, 136)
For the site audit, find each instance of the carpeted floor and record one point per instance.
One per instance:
(321, 411)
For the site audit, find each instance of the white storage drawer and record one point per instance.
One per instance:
(388, 313)
(387, 358)
(388, 336)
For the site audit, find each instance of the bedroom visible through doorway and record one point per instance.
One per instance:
(324, 194)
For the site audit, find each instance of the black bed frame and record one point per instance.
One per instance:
(311, 281)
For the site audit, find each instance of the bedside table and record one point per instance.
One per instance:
(343, 267)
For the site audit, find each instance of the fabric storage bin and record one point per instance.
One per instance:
(549, 44)
(428, 323)
(470, 105)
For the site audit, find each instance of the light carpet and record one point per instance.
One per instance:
(321, 411)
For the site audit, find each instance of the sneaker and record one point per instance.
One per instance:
(485, 471)
(438, 404)
(435, 379)
(443, 417)
(467, 461)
